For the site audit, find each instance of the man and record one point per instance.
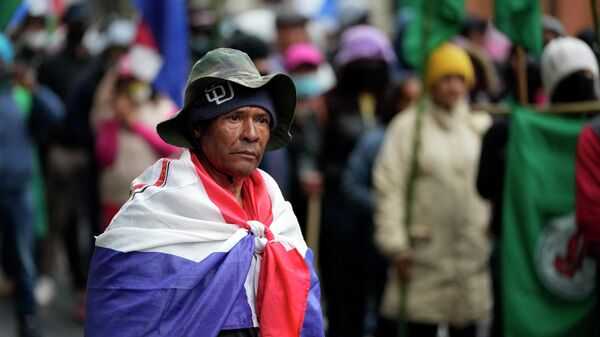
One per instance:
(206, 245)
(27, 108)
(429, 220)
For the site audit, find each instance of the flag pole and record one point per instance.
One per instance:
(584, 107)
(522, 75)
(313, 226)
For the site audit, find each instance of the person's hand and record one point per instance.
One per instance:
(125, 110)
(312, 184)
(403, 264)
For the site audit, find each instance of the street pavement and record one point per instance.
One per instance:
(56, 317)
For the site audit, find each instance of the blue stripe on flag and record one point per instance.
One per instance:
(313, 316)
(156, 294)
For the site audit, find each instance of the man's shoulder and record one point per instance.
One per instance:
(165, 173)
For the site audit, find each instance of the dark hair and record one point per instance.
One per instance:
(577, 87)
(255, 47)
(386, 110)
(473, 24)
(288, 17)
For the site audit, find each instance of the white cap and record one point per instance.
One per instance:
(562, 57)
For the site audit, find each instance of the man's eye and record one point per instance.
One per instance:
(234, 117)
(264, 120)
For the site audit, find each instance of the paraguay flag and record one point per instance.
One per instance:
(182, 258)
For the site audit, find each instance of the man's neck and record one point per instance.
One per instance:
(230, 183)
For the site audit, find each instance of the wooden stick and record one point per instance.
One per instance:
(313, 225)
(522, 75)
(586, 107)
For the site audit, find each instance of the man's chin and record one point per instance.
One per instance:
(243, 170)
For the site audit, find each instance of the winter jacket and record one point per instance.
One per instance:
(447, 236)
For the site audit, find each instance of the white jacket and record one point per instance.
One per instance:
(448, 241)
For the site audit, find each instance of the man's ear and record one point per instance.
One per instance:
(196, 131)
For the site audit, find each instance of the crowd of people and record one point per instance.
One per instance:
(407, 171)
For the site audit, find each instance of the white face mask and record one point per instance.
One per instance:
(35, 39)
(94, 41)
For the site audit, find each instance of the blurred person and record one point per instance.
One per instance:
(26, 108)
(440, 252)
(58, 72)
(587, 175)
(363, 66)
(73, 169)
(552, 28)
(257, 49)
(302, 62)
(290, 28)
(510, 80)
(202, 26)
(570, 73)
(125, 114)
(487, 79)
(31, 36)
(358, 188)
(207, 245)
(353, 13)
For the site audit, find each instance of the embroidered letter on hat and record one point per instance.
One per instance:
(219, 93)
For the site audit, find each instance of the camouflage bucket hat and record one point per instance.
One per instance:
(234, 66)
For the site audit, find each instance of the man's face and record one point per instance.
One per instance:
(287, 36)
(448, 90)
(235, 142)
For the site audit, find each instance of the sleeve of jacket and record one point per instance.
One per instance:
(587, 197)
(357, 180)
(389, 180)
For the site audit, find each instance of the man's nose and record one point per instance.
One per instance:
(249, 131)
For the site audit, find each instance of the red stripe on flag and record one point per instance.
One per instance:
(256, 200)
(162, 178)
(284, 279)
(284, 283)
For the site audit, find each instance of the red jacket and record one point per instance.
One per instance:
(587, 173)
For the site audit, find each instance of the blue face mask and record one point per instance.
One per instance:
(307, 85)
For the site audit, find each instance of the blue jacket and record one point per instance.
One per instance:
(18, 127)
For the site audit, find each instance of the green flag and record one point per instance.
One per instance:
(7, 9)
(547, 283)
(431, 24)
(520, 20)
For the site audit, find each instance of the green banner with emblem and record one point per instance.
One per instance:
(547, 281)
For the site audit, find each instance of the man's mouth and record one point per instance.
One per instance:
(249, 154)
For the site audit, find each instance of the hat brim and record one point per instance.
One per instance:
(280, 87)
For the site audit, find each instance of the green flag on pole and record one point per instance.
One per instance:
(547, 283)
(431, 24)
(520, 20)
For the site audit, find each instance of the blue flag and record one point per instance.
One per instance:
(167, 20)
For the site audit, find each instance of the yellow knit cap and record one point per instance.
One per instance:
(448, 59)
